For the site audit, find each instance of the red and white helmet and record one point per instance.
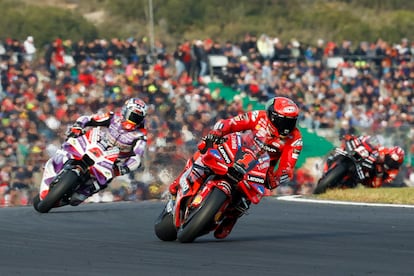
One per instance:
(283, 114)
(394, 157)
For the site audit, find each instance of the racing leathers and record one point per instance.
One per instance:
(129, 138)
(282, 149)
(381, 173)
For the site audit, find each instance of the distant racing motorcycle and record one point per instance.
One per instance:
(346, 167)
(85, 160)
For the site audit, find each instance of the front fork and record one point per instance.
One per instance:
(185, 203)
(68, 166)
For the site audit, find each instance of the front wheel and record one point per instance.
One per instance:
(67, 180)
(202, 217)
(331, 179)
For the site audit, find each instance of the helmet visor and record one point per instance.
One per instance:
(391, 163)
(283, 124)
(133, 117)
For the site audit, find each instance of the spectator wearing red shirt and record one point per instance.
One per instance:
(58, 54)
(86, 77)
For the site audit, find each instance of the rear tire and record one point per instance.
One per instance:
(36, 201)
(203, 217)
(68, 179)
(165, 228)
(331, 179)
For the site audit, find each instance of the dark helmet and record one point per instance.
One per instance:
(394, 157)
(134, 111)
(283, 114)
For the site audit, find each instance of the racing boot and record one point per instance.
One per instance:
(62, 202)
(82, 194)
(174, 187)
(225, 227)
(77, 198)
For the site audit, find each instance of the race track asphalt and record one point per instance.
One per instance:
(276, 238)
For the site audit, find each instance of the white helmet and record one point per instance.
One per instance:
(134, 111)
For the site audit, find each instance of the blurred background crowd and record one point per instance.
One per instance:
(340, 87)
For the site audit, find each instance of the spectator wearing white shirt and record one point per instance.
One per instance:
(29, 48)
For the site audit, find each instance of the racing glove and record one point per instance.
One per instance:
(348, 137)
(75, 131)
(377, 179)
(214, 135)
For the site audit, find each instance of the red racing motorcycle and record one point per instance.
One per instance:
(236, 167)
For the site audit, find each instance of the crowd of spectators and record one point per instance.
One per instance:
(339, 87)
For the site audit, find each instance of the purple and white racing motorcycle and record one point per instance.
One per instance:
(82, 161)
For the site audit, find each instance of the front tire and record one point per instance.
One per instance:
(68, 179)
(331, 179)
(203, 217)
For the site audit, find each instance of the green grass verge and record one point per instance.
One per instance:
(361, 194)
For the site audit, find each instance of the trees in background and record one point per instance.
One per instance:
(178, 20)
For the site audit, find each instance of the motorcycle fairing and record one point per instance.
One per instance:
(237, 166)
(86, 148)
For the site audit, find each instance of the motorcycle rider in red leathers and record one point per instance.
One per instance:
(388, 159)
(388, 165)
(125, 130)
(277, 125)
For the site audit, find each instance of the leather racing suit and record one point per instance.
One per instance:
(381, 174)
(282, 149)
(129, 138)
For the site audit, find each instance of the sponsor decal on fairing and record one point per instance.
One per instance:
(224, 154)
(216, 154)
(255, 179)
(259, 188)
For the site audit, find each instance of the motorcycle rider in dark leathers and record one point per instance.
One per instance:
(388, 160)
(277, 126)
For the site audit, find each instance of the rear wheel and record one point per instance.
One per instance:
(165, 228)
(203, 217)
(331, 179)
(36, 201)
(67, 180)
